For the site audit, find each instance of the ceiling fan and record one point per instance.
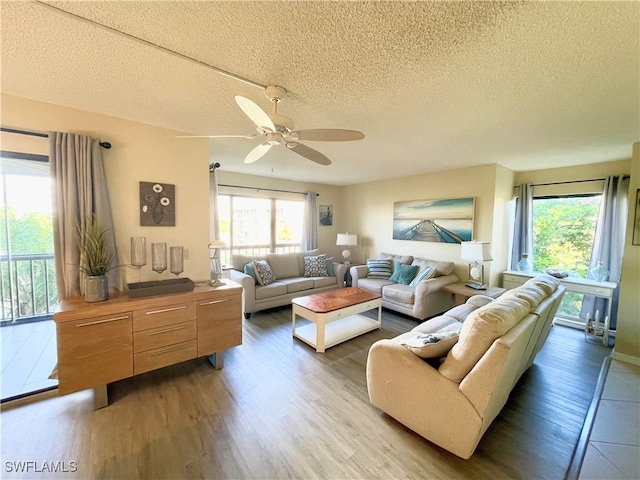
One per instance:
(278, 129)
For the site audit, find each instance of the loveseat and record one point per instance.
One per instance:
(418, 293)
(449, 377)
(292, 275)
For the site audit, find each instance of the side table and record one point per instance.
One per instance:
(462, 292)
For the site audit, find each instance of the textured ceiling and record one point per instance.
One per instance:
(434, 85)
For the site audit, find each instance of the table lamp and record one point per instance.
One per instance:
(347, 240)
(476, 252)
(216, 271)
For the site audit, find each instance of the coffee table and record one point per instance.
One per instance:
(334, 316)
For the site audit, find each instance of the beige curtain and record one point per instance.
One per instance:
(310, 232)
(79, 190)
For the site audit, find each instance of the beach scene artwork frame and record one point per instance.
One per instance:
(441, 220)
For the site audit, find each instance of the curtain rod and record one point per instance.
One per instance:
(106, 145)
(571, 181)
(257, 189)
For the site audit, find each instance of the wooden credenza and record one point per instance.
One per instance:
(99, 343)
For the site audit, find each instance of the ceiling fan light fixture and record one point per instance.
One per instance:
(274, 138)
(292, 144)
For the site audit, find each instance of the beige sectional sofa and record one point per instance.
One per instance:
(422, 300)
(452, 400)
(292, 278)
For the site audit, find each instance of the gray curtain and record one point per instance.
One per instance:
(608, 244)
(310, 232)
(523, 228)
(79, 191)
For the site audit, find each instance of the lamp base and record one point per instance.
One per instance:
(216, 283)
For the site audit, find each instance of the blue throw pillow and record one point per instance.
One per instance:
(248, 270)
(403, 273)
(330, 271)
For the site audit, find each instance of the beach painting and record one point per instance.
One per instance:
(442, 220)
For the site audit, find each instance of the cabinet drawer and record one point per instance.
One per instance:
(163, 336)
(94, 351)
(164, 356)
(219, 324)
(163, 316)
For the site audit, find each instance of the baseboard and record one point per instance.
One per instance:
(625, 358)
(27, 399)
(573, 472)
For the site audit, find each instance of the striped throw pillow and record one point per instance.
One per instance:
(424, 274)
(379, 269)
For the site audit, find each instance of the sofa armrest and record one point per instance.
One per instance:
(339, 269)
(434, 284)
(413, 392)
(357, 272)
(248, 289)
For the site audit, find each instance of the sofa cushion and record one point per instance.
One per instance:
(284, 265)
(373, 284)
(442, 268)
(272, 290)
(406, 259)
(533, 294)
(441, 323)
(263, 271)
(382, 268)
(297, 284)
(315, 266)
(424, 274)
(248, 270)
(479, 331)
(324, 281)
(399, 293)
(403, 273)
(431, 345)
(239, 261)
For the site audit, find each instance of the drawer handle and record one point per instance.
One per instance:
(102, 352)
(213, 302)
(173, 309)
(173, 329)
(167, 350)
(115, 319)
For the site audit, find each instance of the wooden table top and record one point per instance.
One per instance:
(335, 299)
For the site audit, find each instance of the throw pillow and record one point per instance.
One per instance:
(248, 270)
(315, 266)
(424, 274)
(431, 345)
(379, 269)
(330, 271)
(263, 271)
(403, 273)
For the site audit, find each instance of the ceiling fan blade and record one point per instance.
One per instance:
(218, 136)
(255, 113)
(310, 153)
(327, 135)
(257, 152)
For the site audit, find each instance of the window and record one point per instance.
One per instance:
(256, 226)
(563, 232)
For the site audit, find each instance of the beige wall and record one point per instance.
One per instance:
(627, 346)
(139, 153)
(370, 212)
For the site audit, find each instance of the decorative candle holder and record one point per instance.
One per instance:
(138, 251)
(176, 256)
(159, 257)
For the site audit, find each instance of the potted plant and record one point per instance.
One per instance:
(96, 259)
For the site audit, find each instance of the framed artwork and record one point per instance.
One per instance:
(157, 204)
(441, 220)
(636, 221)
(326, 215)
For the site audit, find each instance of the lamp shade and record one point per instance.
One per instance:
(217, 244)
(476, 251)
(347, 239)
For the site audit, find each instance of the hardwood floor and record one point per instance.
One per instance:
(279, 410)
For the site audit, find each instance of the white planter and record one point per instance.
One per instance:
(96, 289)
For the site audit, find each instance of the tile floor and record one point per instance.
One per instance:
(28, 356)
(613, 451)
